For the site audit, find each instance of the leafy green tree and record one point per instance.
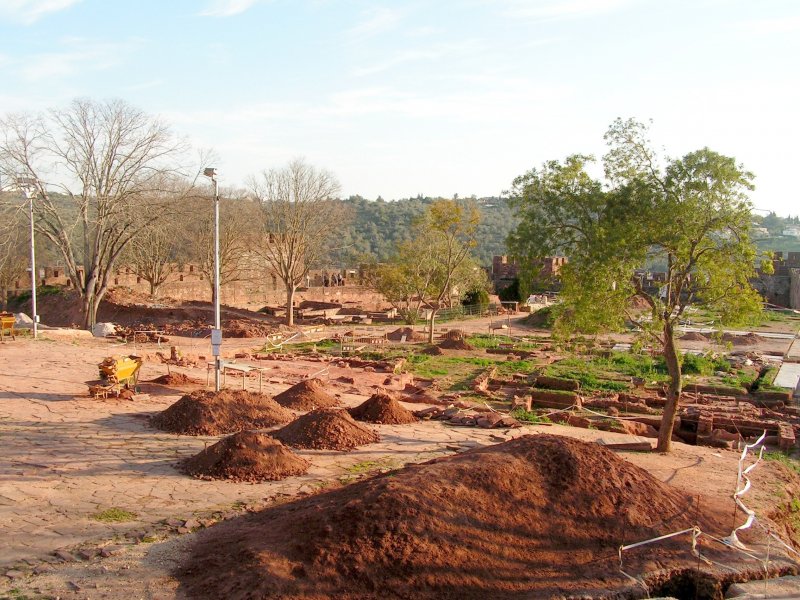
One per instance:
(510, 293)
(690, 213)
(476, 296)
(435, 265)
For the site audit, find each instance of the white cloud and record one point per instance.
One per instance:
(80, 55)
(427, 53)
(227, 8)
(423, 31)
(771, 26)
(373, 22)
(144, 85)
(546, 10)
(30, 11)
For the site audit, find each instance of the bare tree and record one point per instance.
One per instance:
(300, 216)
(236, 225)
(13, 249)
(153, 254)
(112, 163)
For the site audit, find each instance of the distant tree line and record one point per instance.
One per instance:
(376, 227)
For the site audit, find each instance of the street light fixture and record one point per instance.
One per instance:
(29, 186)
(216, 333)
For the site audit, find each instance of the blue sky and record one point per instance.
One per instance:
(400, 98)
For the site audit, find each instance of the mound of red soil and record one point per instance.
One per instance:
(306, 395)
(233, 328)
(206, 412)
(748, 339)
(175, 379)
(536, 517)
(245, 456)
(326, 429)
(455, 344)
(382, 408)
(405, 332)
(432, 350)
(244, 328)
(694, 336)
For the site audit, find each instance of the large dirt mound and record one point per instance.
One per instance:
(748, 339)
(454, 344)
(326, 429)
(205, 412)
(382, 408)
(306, 395)
(245, 456)
(535, 517)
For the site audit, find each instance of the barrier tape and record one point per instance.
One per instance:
(741, 490)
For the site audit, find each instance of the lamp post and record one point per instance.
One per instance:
(216, 333)
(28, 186)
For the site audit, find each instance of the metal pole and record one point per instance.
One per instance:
(217, 320)
(35, 316)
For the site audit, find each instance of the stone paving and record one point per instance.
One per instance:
(65, 457)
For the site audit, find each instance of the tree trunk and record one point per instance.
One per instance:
(154, 290)
(431, 322)
(290, 304)
(89, 311)
(673, 391)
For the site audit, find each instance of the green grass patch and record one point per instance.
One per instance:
(18, 594)
(487, 341)
(607, 373)
(697, 364)
(741, 378)
(114, 515)
(765, 381)
(150, 539)
(460, 370)
(529, 416)
(368, 466)
(785, 459)
(321, 346)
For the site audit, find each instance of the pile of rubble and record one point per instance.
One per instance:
(453, 415)
(141, 334)
(175, 359)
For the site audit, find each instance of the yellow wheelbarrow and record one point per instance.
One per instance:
(7, 322)
(118, 376)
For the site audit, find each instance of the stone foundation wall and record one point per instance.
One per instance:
(794, 288)
(189, 284)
